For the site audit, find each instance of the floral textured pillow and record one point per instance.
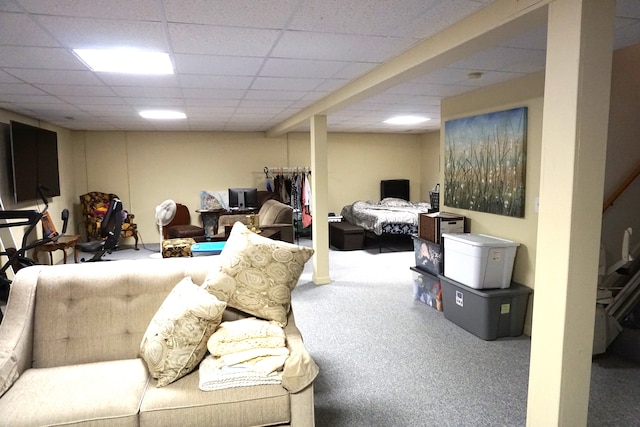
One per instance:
(176, 339)
(256, 275)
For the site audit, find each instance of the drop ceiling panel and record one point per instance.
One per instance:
(217, 64)
(339, 47)
(43, 58)
(246, 65)
(218, 40)
(60, 77)
(236, 13)
(112, 9)
(88, 33)
(19, 29)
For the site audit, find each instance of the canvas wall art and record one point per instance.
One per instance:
(485, 162)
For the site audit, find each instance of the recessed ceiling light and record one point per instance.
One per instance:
(406, 120)
(130, 61)
(163, 114)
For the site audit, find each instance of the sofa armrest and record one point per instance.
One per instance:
(16, 329)
(299, 369)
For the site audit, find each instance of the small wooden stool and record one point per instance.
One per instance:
(63, 243)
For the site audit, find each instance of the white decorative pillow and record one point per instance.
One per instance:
(176, 339)
(256, 275)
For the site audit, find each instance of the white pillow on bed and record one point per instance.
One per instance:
(395, 202)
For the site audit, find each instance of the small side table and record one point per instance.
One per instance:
(63, 243)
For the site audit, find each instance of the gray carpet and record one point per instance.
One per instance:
(388, 360)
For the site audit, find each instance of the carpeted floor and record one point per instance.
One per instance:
(388, 360)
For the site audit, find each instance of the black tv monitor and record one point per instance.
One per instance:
(243, 198)
(34, 161)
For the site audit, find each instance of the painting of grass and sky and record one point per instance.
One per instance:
(485, 162)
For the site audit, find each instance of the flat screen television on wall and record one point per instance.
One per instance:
(34, 161)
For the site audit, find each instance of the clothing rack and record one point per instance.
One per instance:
(285, 170)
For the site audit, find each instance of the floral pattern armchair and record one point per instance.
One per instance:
(94, 205)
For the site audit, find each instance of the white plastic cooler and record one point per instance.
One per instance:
(478, 260)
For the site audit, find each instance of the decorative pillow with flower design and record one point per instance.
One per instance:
(175, 341)
(256, 274)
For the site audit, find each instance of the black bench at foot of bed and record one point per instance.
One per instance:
(346, 236)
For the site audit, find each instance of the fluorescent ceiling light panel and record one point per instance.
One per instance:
(129, 61)
(163, 114)
(406, 120)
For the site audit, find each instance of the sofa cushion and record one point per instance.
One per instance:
(103, 393)
(176, 340)
(182, 403)
(256, 274)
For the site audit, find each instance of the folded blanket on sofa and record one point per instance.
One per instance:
(245, 334)
(217, 376)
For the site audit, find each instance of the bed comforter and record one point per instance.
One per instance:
(388, 216)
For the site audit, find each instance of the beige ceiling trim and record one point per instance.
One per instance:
(499, 21)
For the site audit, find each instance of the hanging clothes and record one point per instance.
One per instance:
(307, 217)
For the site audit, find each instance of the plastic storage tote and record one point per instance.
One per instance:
(478, 260)
(488, 314)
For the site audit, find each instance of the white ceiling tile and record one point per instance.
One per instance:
(101, 102)
(354, 69)
(119, 79)
(291, 53)
(329, 85)
(217, 40)
(356, 17)
(439, 15)
(76, 33)
(75, 77)
(204, 95)
(19, 29)
(240, 13)
(280, 95)
(19, 89)
(339, 47)
(112, 9)
(73, 90)
(279, 83)
(215, 82)
(46, 58)
(140, 102)
(8, 78)
(281, 67)
(218, 65)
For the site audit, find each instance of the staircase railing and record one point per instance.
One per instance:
(621, 188)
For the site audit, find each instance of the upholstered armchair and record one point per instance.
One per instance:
(272, 215)
(94, 205)
(180, 226)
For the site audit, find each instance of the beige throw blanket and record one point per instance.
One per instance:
(244, 353)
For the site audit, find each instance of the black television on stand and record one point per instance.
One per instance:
(243, 198)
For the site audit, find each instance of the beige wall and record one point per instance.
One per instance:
(524, 92)
(623, 152)
(430, 170)
(145, 168)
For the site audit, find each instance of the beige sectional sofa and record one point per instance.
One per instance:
(70, 344)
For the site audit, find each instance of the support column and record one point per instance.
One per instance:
(574, 134)
(319, 200)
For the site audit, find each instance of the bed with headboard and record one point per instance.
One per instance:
(393, 214)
